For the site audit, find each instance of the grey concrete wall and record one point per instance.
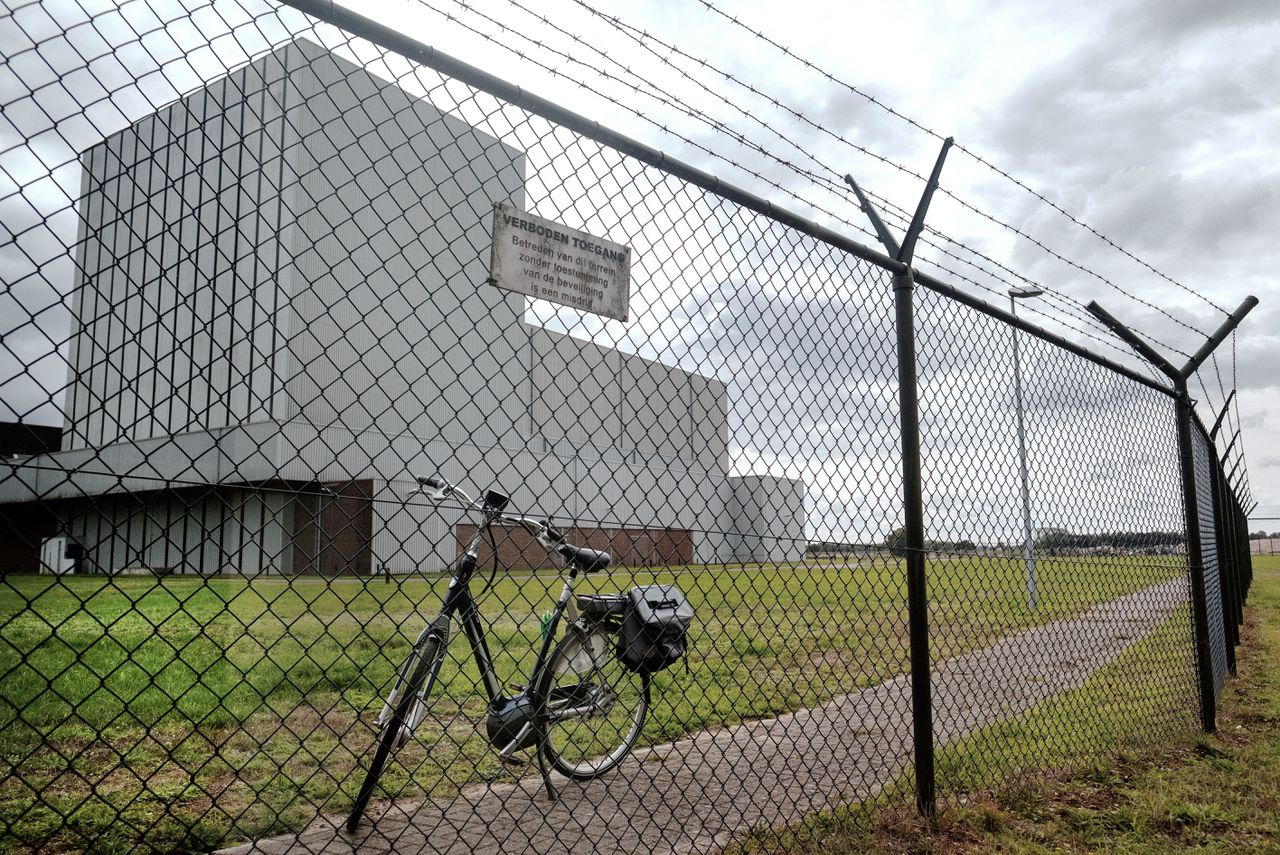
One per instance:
(1265, 546)
(764, 518)
(587, 393)
(193, 531)
(390, 322)
(369, 311)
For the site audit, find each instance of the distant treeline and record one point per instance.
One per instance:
(1057, 539)
(1046, 540)
(893, 544)
(832, 547)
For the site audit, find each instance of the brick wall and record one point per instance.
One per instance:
(631, 547)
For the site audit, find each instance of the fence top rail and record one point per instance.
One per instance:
(395, 40)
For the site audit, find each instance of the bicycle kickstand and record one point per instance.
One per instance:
(552, 795)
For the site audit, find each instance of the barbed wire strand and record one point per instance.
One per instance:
(641, 36)
(736, 21)
(1065, 303)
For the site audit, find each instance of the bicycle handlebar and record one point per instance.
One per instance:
(546, 534)
(443, 490)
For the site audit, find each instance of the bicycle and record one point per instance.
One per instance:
(581, 709)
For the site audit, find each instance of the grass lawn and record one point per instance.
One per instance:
(186, 712)
(1161, 788)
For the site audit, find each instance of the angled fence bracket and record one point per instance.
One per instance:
(1222, 414)
(1230, 445)
(1231, 474)
(882, 231)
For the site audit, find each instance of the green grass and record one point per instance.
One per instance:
(1266, 563)
(187, 712)
(1126, 779)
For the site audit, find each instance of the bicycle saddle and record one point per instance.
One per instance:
(588, 560)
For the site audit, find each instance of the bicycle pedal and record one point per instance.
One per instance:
(512, 761)
(516, 687)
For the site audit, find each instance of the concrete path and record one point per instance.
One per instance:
(699, 793)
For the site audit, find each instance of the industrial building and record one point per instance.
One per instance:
(282, 317)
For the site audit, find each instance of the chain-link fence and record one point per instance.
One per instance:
(1263, 535)
(1104, 550)
(264, 335)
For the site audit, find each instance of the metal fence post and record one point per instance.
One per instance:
(1244, 555)
(913, 507)
(1226, 562)
(912, 480)
(1186, 457)
(1028, 548)
(1195, 564)
(1237, 573)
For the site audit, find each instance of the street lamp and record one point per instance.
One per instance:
(1016, 294)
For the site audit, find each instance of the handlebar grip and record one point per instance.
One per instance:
(433, 483)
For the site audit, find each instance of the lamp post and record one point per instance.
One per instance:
(1016, 294)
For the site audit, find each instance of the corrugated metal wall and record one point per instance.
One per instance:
(176, 301)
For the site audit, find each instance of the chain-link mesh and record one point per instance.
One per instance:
(1214, 580)
(1261, 541)
(1078, 583)
(250, 303)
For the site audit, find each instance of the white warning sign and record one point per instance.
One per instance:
(551, 261)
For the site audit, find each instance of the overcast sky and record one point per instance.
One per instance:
(1151, 122)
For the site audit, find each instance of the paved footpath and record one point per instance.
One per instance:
(699, 793)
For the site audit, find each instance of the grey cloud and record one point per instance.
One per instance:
(812, 374)
(858, 121)
(1257, 420)
(809, 386)
(1172, 20)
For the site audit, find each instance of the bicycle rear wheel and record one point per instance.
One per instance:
(595, 708)
(406, 695)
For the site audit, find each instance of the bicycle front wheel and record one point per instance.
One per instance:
(595, 707)
(405, 695)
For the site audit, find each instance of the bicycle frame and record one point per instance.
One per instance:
(515, 722)
(511, 719)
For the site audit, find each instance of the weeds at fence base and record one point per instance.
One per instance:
(882, 825)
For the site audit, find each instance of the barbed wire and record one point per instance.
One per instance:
(666, 129)
(1235, 403)
(1067, 305)
(641, 36)
(1222, 405)
(880, 104)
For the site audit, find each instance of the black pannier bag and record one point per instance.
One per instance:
(654, 630)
